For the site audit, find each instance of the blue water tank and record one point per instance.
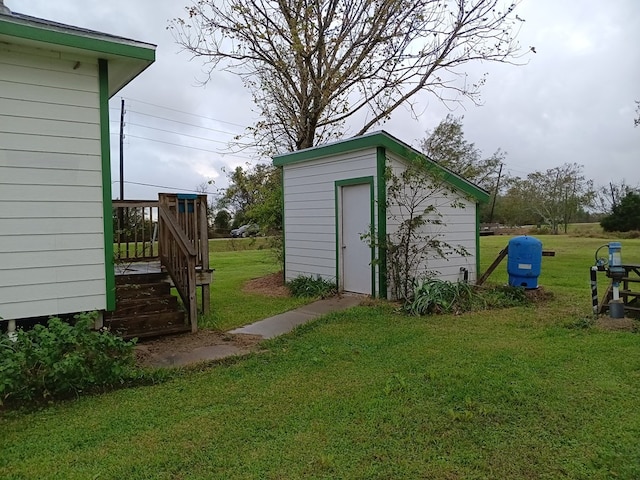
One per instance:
(525, 261)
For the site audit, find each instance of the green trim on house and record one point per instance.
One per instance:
(77, 39)
(381, 164)
(284, 250)
(477, 241)
(127, 58)
(345, 183)
(110, 278)
(390, 144)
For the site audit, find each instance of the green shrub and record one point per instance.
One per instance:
(61, 359)
(440, 296)
(312, 287)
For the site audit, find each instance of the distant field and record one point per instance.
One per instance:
(238, 244)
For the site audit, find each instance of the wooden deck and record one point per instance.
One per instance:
(162, 242)
(138, 268)
(203, 277)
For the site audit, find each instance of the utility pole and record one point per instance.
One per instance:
(495, 194)
(122, 149)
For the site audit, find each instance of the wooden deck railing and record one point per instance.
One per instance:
(173, 229)
(191, 214)
(135, 224)
(178, 256)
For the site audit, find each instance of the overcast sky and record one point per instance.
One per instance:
(572, 102)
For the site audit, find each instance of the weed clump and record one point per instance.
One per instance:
(312, 287)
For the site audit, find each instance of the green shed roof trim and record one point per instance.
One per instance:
(389, 143)
(40, 30)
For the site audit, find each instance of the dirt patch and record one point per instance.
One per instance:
(539, 294)
(618, 324)
(269, 286)
(146, 350)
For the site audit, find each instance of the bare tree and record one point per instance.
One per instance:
(447, 146)
(636, 121)
(556, 195)
(312, 64)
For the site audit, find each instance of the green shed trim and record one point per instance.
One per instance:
(390, 144)
(477, 241)
(284, 250)
(107, 206)
(381, 166)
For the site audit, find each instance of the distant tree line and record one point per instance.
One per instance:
(553, 198)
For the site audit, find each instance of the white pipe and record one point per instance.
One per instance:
(11, 330)
(99, 323)
(616, 291)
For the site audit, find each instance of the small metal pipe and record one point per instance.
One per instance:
(465, 274)
(11, 330)
(594, 289)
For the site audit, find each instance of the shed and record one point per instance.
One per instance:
(336, 193)
(56, 234)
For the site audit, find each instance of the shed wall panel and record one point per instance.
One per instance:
(51, 216)
(458, 229)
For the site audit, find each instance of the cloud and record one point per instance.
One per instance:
(572, 102)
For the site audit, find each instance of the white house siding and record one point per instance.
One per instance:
(51, 214)
(458, 230)
(310, 210)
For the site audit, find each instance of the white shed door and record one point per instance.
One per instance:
(356, 254)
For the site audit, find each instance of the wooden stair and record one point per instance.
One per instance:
(145, 307)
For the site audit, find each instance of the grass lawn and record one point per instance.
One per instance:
(518, 393)
(230, 306)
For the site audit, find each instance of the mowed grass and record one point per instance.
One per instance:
(235, 262)
(368, 393)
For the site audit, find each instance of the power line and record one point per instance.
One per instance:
(186, 146)
(166, 187)
(176, 121)
(186, 113)
(176, 133)
(182, 123)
